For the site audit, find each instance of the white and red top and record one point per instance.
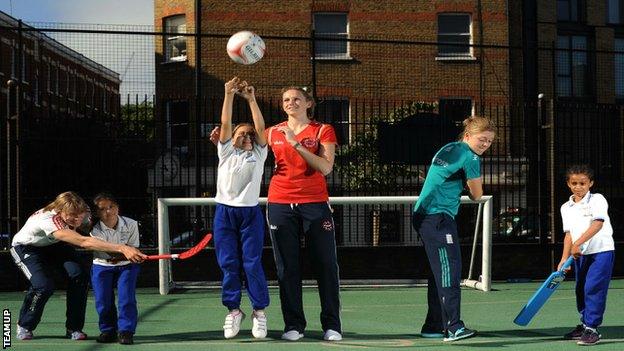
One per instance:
(294, 181)
(39, 229)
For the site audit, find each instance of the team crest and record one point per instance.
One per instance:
(309, 143)
(327, 225)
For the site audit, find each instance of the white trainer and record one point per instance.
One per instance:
(259, 325)
(332, 335)
(23, 333)
(292, 335)
(232, 324)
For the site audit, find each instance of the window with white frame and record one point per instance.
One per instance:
(572, 66)
(619, 68)
(454, 35)
(615, 11)
(331, 25)
(335, 111)
(175, 45)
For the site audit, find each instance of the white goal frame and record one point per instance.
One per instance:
(483, 282)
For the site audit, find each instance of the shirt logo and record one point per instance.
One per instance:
(273, 227)
(449, 238)
(475, 157)
(278, 142)
(309, 143)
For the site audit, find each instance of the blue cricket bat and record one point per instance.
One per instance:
(542, 294)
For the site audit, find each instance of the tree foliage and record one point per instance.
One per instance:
(362, 168)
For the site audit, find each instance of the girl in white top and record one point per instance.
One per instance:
(589, 238)
(45, 242)
(239, 223)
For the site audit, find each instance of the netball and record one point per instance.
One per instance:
(245, 47)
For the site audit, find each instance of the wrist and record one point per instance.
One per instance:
(296, 145)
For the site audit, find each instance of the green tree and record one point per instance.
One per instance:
(362, 168)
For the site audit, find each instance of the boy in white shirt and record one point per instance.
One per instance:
(587, 225)
(239, 222)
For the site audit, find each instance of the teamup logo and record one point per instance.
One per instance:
(6, 328)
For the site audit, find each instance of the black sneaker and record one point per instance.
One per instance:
(590, 337)
(576, 333)
(125, 338)
(461, 333)
(107, 337)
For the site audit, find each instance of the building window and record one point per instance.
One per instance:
(615, 11)
(454, 28)
(177, 119)
(334, 26)
(619, 68)
(568, 10)
(175, 45)
(572, 66)
(335, 110)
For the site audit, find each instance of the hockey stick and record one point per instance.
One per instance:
(186, 254)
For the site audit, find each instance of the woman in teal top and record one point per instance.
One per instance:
(455, 166)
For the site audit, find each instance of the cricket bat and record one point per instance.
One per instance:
(542, 294)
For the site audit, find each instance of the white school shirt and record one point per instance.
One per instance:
(577, 217)
(239, 174)
(127, 232)
(39, 229)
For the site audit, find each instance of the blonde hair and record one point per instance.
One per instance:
(68, 202)
(305, 92)
(477, 124)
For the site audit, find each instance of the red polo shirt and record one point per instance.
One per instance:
(294, 181)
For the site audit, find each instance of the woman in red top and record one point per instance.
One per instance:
(298, 205)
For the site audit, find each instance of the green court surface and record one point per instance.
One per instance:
(373, 319)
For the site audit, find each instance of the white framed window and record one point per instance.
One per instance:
(175, 45)
(331, 25)
(336, 111)
(572, 66)
(619, 68)
(454, 29)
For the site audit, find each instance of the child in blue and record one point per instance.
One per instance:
(455, 166)
(587, 225)
(109, 271)
(239, 222)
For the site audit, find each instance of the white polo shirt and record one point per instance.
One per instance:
(578, 216)
(39, 229)
(239, 174)
(127, 232)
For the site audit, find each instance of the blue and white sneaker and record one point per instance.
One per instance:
(461, 333)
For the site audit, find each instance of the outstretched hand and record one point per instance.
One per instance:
(214, 135)
(246, 91)
(232, 86)
(133, 254)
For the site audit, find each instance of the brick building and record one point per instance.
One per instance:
(572, 49)
(53, 77)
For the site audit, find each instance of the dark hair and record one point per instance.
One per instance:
(105, 196)
(245, 124)
(580, 169)
(305, 91)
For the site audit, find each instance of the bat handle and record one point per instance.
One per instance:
(567, 264)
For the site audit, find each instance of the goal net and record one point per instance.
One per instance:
(364, 221)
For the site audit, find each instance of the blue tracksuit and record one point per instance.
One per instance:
(239, 239)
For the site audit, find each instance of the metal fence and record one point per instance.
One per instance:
(390, 119)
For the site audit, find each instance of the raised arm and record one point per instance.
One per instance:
(231, 87)
(95, 244)
(249, 93)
